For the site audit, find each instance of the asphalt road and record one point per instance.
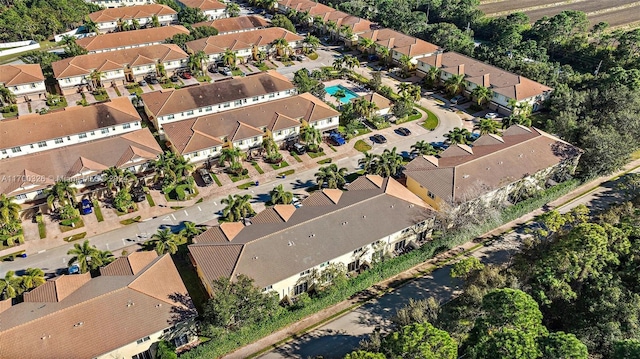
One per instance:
(342, 335)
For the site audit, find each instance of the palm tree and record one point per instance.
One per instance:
(482, 94)
(384, 53)
(487, 125)
(230, 154)
(163, 167)
(366, 44)
(32, 278)
(458, 135)
(165, 242)
(135, 24)
(351, 61)
(331, 26)
(281, 45)
(331, 177)
(403, 88)
(339, 95)
(267, 4)
(101, 258)
(389, 163)
(423, 148)
(183, 167)
(311, 42)
(407, 65)
(433, 76)
(10, 285)
(9, 210)
(368, 163)
(238, 207)
(117, 177)
(6, 96)
(61, 192)
(338, 63)
(190, 230)
(155, 22)
(347, 33)
(197, 60)
(312, 137)
(455, 84)
(96, 78)
(90, 25)
(229, 58)
(82, 255)
(304, 18)
(280, 196)
(232, 9)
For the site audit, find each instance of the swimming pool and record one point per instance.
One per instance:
(350, 94)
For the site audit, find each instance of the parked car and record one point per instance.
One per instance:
(186, 75)
(138, 195)
(403, 131)
(439, 145)
(225, 71)
(459, 99)
(206, 176)
(491, 115)
(373, 57)
(298, 148)
(74, 269)
(378, 138)
(85, 206)
(142, 83)
(337, 139)
(153, 80)
(175, 78)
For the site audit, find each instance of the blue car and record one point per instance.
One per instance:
(337, 139)
(85, 207)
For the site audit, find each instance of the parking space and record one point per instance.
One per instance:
(190, 82)
(72, 99)
(111, 91)
(216, 76)
(23, 109)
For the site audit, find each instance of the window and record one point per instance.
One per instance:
(140, 341)
(353, 266)
(170, 117)
(237, 102)
(359, 250)
(189, 113)
(265, 289)
(300, 288)
(208, 108)
(272, 95)
(255, 98)
(181, 340)
(31, 145)
(302, 274)
(279, 133)
(322, 265)
(93, 133)
(21, 196)
(16, 150)
(58, 141)
(39, 192)
(4, 152)
(82, 135)
(399, 245)
(144, 355)
(126, 125)
(33, 86)
(104, 131)
(255, 139)
(431, 195)
(225, 105)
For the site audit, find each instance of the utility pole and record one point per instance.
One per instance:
(595, 73)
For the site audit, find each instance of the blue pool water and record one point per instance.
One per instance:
(350, 94)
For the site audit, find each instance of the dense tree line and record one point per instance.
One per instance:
(40, 19)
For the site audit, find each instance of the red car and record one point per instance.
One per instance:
(186, 75)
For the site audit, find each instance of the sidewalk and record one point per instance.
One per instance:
(297, 329)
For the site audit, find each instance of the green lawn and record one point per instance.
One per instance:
(287, 173)
(101, 97)
(135, 219)
(295, 155)
(62, 103)
(97, 210)
(263, 67)
(237, 72)
(75, 237)
(257, 167)
(78, 224)
(432, 120)
(215, 178)
(277, 166)
(42, 228)
(315, 154)
(204, 78)
(362, 146)
(332, 148)
(9, 114)
(246, 185)
(237, 178)
(134, 89)
(325, 161)
(312, 56)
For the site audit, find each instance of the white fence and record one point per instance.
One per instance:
(30, 45)
(73, 33)
(8, 45)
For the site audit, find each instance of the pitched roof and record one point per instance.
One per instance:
(380, 101)
(233, 24)
(204, 5)
(33, 128)
(243, 40)
(172, 101)
(462, 173)
(118, 59)
(132, 38)
(129, 265)
(356, 24)
(13, 75)
(209, 131)
(84, 159)
(272, 250)
(314, 8)
(399, 42)
(131, 12)
(99, 316)
(498, 80)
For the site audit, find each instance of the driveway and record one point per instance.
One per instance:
(73, 98)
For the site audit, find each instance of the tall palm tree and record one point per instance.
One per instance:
(165, 242)
(10, 285)
(82, 255)
(61, 192)
(183, 166)
(117, 177)
(9, 210)
(433, 76)
(100, 259)
(238, 207)
(135, 24)
(229, 155)
(351, 62)
(389, 163)
(311, 137)
(6, 96)
(190, 230)
(486, 126)
(482, 94)
(304, 18)
(368, 163)
(384, 53)
(96, 78)
(332, 27)
(338, 63)
(281, 45)
(403, 88)
(267, 4)
(232, 9)
(366, 44)
(229, 58)
(280, 196)
(197, 61)
(311, 42)
(458, 136)
(423, 148)
(340, 94)
(90, 25)
(347, 32)
(32, 278)
(407, 65)
(455, 84)
(164, 167)
(331, 177)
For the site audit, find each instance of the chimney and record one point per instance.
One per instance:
(439, 60)
(485, 80)
(461, 69)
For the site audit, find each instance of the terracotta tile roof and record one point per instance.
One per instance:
(132, 38)
(380, 101)
(129, 265)
(137, 146)
(270, 252)
(13, 75)
(231, 229)
(285, 211)
(172, 101)
(233, 24)
(5, 304)
(462, 173)
(209, 131)
(118, 59)
(498, 80)
(314, 8)
(397, 41)
(242, 40)
(204, 5)
(131, 12)
(104, 314)
(56, 289)
(33, 128)
(356, 24)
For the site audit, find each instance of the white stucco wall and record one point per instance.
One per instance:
(326, 124)
(119, 3)
(28, 88)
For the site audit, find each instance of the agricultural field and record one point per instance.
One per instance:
(618, 13)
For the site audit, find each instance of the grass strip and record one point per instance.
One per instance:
(295, 155)
(362, 146)
(42, 228)
(246, 185)
(257, 167)
(325, 161)
(287, 173)
(277, 166)
(97, 210)
(75, 237)
(133, 220)
(152, 203)
(215, 178)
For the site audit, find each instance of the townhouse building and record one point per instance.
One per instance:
(25, 81)
(212, 9)
(401, 45)
(119, 3)
(133, 39)
(232, 25)
(111, 19)
(203, 138)
(118, 67)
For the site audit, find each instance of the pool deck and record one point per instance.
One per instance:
(359, 90)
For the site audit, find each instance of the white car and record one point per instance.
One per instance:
(491, 115)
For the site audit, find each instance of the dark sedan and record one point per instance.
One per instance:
(403, 131)
(378, 138)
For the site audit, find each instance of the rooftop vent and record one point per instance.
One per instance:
(465, 176)
(78, 324)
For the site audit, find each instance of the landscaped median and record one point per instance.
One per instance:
(230, 341)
